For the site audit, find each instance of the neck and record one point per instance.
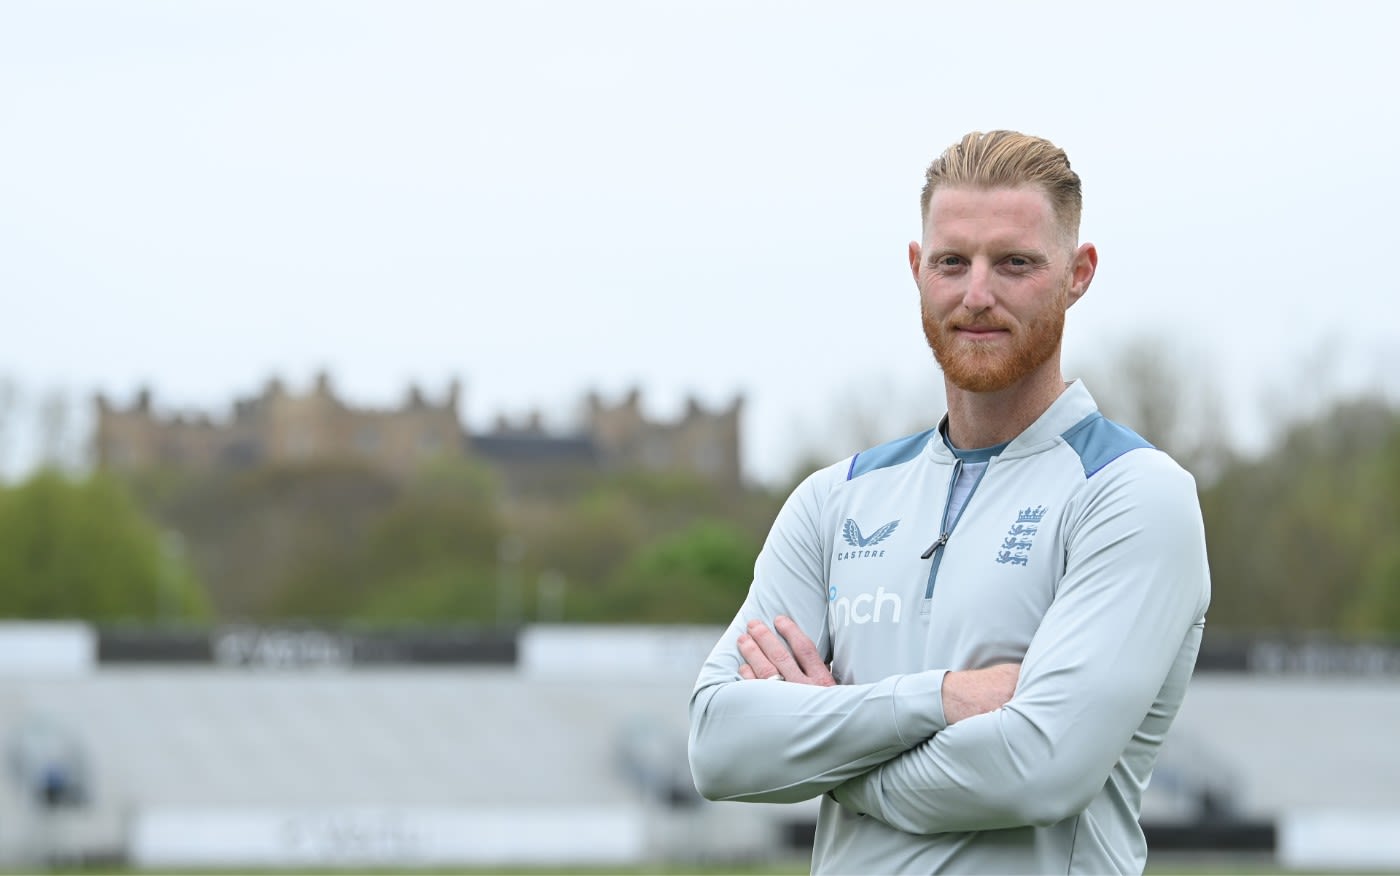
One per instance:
(982, 419)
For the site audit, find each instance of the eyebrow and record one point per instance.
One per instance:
(1029, 252)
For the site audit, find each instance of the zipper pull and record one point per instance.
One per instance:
(942, 540)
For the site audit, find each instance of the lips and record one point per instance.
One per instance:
(980, 331)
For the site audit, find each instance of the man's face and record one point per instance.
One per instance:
(996, 274)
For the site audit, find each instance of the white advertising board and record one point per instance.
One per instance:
(294, 837)
(44, 648)
(663, 653)
(1340, 839)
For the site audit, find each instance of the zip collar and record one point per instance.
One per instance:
(976, 455)
(1073, 405)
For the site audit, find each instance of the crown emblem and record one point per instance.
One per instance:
(1031, 515)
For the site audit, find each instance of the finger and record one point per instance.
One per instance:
(804, 651)
(755, 659)
(746, 671)
(776, 650)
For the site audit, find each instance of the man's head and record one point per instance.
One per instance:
(999, 262)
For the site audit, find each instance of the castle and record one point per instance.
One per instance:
(279, 426)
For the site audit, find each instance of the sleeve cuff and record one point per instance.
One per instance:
(917, 703)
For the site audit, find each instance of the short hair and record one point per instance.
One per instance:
(1008, 159)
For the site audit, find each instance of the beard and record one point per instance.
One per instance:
(976, 367)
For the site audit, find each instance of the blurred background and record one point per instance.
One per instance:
(394, 398)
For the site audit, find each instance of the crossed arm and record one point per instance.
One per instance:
(780, 743)
(936, 751)
(794, 658)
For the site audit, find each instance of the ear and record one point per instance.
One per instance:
(1082, 268)
(915, 255)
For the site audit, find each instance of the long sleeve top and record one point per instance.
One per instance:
(1080, 553)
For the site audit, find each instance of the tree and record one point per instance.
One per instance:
(697, 575)
(252, 535)
(1376, 608)
(58, 445)
(593, 542)
(1299, 539)
(429, 555)
(422, 561)
(80, 548)
(1146, 384)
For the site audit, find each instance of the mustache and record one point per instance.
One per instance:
(977, 324)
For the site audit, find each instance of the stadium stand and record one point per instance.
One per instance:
(568, 750)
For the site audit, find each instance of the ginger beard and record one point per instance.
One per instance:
(978, 366)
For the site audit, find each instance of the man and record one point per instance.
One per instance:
(987, 628)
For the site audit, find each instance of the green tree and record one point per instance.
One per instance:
(430, 555)
(338, 541)
(586, 546)
(80, 548)
(1376, 608)
(697, 575)
(250, 533)
(587, 540)
(1299, 536)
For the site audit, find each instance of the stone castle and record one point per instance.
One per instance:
(279, 426)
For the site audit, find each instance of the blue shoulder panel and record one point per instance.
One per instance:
(890, 453)
(1098, 441)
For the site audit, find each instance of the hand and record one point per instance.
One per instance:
(977, 691)
(768, 656)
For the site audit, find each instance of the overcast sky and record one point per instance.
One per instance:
(698, 198)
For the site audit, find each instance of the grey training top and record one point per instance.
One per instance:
(1080, 552)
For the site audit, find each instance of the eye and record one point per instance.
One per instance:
(949, 261)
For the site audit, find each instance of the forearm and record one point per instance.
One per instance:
(775, 742)
(1110, 658)
(1036, 761)
(990, 772)
(771, 741)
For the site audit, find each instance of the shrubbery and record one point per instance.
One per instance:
(1301, 538)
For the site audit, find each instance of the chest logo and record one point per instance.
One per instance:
(1020, 537)
(855, 539)
(863, 544)
(864, 608)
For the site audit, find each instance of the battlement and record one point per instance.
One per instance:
(281, 426)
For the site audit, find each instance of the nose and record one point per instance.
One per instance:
(978, 296)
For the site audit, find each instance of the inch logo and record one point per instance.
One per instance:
(864, 608)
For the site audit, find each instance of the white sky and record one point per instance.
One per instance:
(699, 198)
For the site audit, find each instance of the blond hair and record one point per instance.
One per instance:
(1007, 159)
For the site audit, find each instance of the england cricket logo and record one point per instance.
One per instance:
(1016, 547)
